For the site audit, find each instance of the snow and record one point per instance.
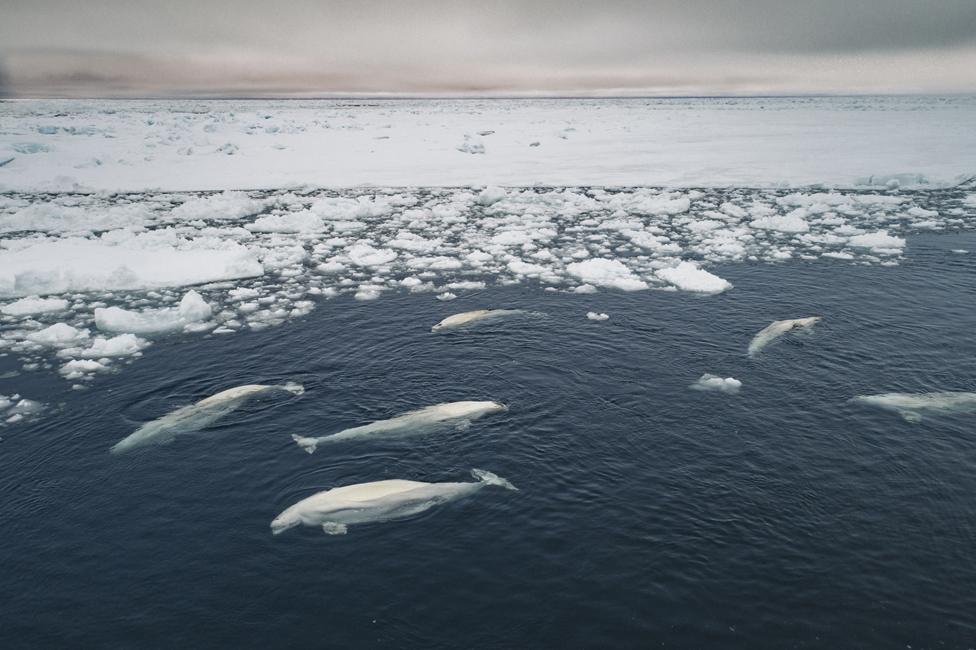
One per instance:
(192, 309)
(76, 264)
(34, 305)
(607, 273)
(183, 145)
(708, 382)
(592, 315)
(687, 276)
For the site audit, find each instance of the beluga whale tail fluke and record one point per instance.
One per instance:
(335, 510)
(426, 420)
(490, 478)
(192, 418)
(306, 443)
(777, 329)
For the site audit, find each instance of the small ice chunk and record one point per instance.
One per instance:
(789, 223)
(880, 242)
(709, 382)
(592, 315)
(122, 345)
(687, 276)
(58, 335)
(77, 368)
(608, 273)
(34, 305)
(491, 195)
(192, 308)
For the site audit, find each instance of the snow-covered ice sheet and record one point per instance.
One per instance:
(721, 142)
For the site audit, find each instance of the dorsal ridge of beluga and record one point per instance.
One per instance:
(467, 318)
(778, 328)
(416, 422)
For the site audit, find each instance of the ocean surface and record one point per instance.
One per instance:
(648, 514)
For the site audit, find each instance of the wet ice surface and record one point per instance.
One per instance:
(783, 516)
(92, 280)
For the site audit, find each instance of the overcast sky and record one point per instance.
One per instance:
(321, 47)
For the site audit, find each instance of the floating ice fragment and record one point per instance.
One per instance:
(608, 273)
(592, 315)
(708, 382)
(58, 335)
(687, 276)
(34, 305)
(192, 308)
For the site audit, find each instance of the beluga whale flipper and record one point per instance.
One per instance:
(477, 316)
(336, 509)
(912, 406)
(195, 417)
(425, 420)
(777, 329)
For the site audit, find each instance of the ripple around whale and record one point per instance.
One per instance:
(784, 516)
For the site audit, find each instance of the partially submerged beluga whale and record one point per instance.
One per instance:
(469, 318)
(334, 510)
(195, 417)
(912, 406)
(777, 329)
(425, 420)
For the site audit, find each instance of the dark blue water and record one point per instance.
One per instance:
(648, 514)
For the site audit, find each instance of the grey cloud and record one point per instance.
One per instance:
(65, 46)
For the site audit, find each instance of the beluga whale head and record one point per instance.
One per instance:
(284, 521)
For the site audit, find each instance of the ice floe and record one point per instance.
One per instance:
(256, 259)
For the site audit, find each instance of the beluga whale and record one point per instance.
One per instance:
(476, 317)
(425, 420)
(195, 417)
(912, 406)
(777, 329)
(336, 509)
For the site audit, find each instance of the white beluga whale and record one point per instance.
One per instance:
(195, 417)
(417, 422)
(378, 501)
(477, 316)
(912, 406)
(777, 329)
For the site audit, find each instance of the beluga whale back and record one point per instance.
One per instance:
(912, 406)
(777, 329)
(417, 422)
(477, 316)
(334, 510)
(195, 417)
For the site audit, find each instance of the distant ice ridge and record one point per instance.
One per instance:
(84, 301)
(182, 145)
